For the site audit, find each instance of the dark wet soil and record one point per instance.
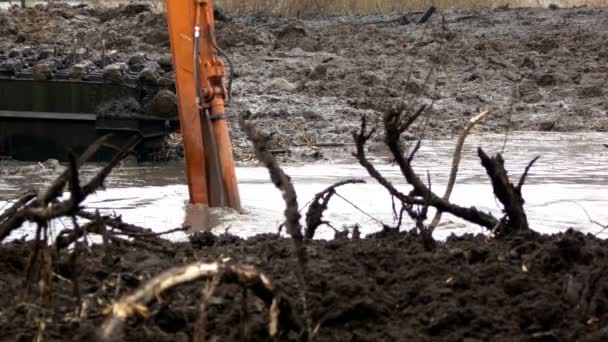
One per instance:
(308, 81)
(523, 288)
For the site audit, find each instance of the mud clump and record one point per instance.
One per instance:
(280, 85)
(44, 70)
(115, 73)
(126, 107)
(596, 91)
(526, 287)
(80, 70)
(149, 75)
(546, 80)
(529, 92)
(164, 103)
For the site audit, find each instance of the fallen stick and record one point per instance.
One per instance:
(226, 270)
(456, 162)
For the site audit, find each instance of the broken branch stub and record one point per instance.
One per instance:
(508, 194)
(314, 216)
(226, 271)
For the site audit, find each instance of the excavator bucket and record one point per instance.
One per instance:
(201, 94)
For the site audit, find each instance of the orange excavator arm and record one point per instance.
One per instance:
(202, 95)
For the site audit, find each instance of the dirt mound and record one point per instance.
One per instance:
(127, 27)
(309, 81)
(525, 288)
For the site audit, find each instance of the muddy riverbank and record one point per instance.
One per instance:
(524, 288)
(309, 81)
(383, 287)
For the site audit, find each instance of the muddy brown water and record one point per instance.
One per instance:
(565, 188)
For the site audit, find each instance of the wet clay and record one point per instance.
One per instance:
(526, 287)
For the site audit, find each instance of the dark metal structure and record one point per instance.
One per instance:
(43, 119)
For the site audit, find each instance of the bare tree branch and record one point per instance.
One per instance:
(456, 161)
(361, 139)
(56, 188)
(292, 214)
(392, 135)
(603, 226)
(18, 204)
(314, 216)
(522, 180)
(40, 212)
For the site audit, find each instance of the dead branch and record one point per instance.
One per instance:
(18, 204)
(200, 329)
(153, 234)
(279, 179)
(420, 195)
(417, 197)
(314, 216)
(292, 215)
(56, 188)
(522, 180)
(591, 220)
(69, 236)
(508, 194)
(65, 238)
(426, 232)
(40, 211)
(126, 229)
(392, 135)
(226, 270)
(361, 137)
(115, 222)
(456, 161)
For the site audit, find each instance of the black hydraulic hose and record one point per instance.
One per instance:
(207, 117)
(195, 62)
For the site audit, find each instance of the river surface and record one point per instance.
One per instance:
(565, 188)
